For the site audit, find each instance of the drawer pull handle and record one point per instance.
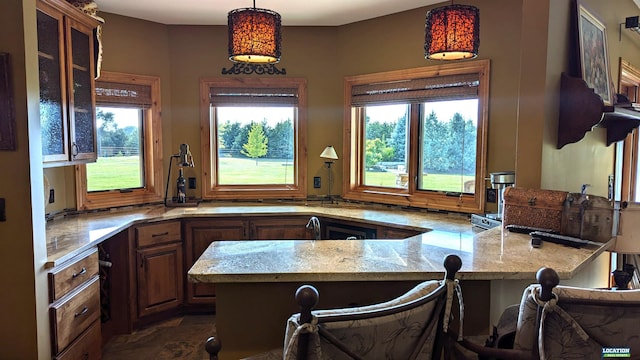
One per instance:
(84, 311)
(161, 234)
(83, 271)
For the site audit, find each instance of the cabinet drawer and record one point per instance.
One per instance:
(157, 233)
(87, 347)
(73, 314)
(68, 276)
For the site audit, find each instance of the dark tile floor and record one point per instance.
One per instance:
(177, 338)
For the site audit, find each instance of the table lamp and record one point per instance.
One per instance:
(627, 243)
(184, 160)
(329, 153)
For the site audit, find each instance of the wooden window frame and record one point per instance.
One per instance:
(209, 144)
(353, 186)
(629, 77)
(152, 191)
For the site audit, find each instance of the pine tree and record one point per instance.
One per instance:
(256, 146)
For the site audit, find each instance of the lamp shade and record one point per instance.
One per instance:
(628, 238)
(254, 35)
(452, 33)
(329, 153)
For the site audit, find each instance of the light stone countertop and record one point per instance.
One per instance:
(488, 255)
(485, 255)
(73, 234)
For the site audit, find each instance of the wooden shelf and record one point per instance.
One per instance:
(581, 109)
(619, 122)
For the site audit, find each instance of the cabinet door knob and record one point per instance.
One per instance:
(74, 149)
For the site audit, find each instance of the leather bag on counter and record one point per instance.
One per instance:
(535, 208)
(588, 217)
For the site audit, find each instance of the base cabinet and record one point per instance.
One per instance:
(87, 347)
(154, 258)
(159, 268)
(387, 232)
(280, 228)
(74, 293)
(198, 234)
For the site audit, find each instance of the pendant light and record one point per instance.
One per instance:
(452, 33)
(254, 35)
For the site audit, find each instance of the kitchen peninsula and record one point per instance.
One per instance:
(258, 278)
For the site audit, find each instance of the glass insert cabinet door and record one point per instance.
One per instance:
(53, 118)
(67, 110)
(81, 92)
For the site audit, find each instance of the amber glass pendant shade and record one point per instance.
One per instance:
(452, 33)
(254, 35)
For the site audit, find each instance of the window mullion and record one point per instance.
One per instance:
(413, 147)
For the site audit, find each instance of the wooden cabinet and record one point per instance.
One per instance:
(280, 228)
(159, 268)
(198, 234)
(66, 73)
(388, 232)
(74, 292)
(88, 346)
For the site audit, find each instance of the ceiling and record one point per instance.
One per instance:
(293, 12)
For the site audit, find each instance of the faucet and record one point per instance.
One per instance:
(314, 224)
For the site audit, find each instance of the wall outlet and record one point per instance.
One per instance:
(3, 211)
(52, 196)
(192, 183)
(317, 183)
(492, 196)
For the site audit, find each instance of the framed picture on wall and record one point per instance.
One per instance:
(7, 112)
(594, 58)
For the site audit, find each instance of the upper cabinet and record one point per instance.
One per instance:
(67, 96)
(581, 109)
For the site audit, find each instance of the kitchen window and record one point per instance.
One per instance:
(627, 168)
(418, 137)
(254, 138)
(128, 169)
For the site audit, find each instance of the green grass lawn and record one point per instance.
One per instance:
(123, 172)
(440, 182)
(239, 171)
(117, 172)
